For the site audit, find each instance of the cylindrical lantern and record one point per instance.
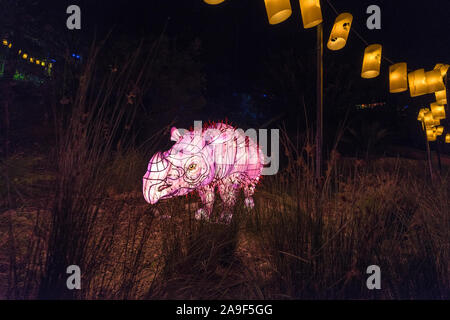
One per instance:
(340, 31)
(371, 62)
(417, 83)
(439, 130)
(431, 134)
(311, 13)
(278, 10)
(398, 77)
(441, 97)
(214, 1)
(438, 111)
(434, 81)
(420, 116)
(429, 120)
(442, 68)
(447, 138)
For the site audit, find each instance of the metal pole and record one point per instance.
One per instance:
(438, 152)
(319, 132)
(430, 164)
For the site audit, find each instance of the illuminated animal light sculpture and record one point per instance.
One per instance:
(203, 159)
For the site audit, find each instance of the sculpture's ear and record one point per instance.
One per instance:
(175, 134)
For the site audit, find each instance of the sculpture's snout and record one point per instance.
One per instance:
(154, 181)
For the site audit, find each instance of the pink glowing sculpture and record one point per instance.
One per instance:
(201, 159)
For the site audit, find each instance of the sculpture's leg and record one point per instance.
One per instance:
(228, 193)
(206, 194)
(249, 190)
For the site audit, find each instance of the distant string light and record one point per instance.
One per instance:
(33, 60)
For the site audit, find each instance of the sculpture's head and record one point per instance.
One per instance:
(188, 165)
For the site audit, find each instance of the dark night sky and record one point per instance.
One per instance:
(236, 37)
(236, 33)
(237, 40)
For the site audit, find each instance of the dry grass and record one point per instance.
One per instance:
(291, 246)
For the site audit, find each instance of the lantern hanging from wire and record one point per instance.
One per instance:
(438, 111)
(429, 120)
(431, 134)
(447, 138)
(442, 67)
(439, 130)
(417, 83)
(420, 116)
(441, 96)
(339, 33)
(278, 10)
(311, 13)
(434, 81)
(25, 56)
(398, 77)
(372, 61)
(213, 2)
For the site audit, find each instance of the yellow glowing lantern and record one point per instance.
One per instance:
(340, 31)
(31, 59)
(398, 77)
(43, 63)
(429, 120)
(371, 62)
(25, 56)
(10, 45)
(278, 10)
(438, 111)
(311, 13)
(439, 130)
(434, 81)
(50, 65)
(447, 138)
(431, 134)
(421, 114)
(20, 51)
(417, 83)
(443, 68)
(38, 62)
(213, 2)
(441, 97)
(5, 42)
